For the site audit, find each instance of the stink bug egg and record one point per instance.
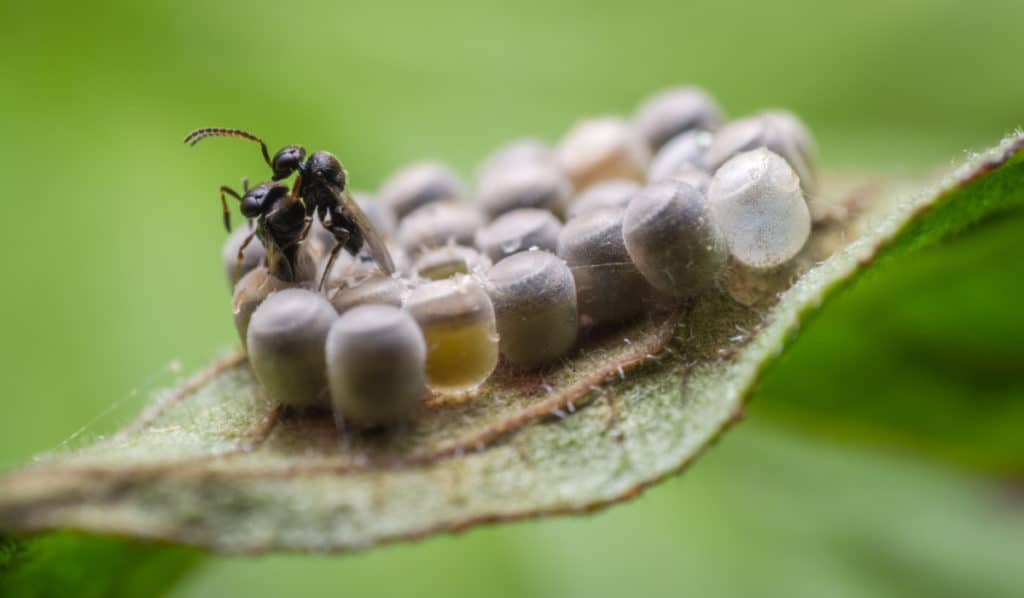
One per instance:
(286, 346)
(756, 202)
(668, 113)
(518, 230)
(672, 240)
(420, 184)
(438, 224)
(376, 366)
(534, 298)
(603, 148)
(457, 320)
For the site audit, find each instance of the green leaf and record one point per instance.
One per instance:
(215, 465)
(71, 564)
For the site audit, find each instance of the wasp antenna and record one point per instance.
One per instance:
(199, 134)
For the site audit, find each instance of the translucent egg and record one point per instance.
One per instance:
(757, 205)
(448, 261)
(684, 151)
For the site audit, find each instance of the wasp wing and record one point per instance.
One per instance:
(374, 243)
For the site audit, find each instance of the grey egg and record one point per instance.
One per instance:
(754, 132)
(438, 224)
(606, 195)
(381, 216)
(419, 184)
(519, 230)
(672, 239)
(534, 297)
(685, 151)
(286, 346)
(609, 287)
(376, 366)
(668, 113)
(532, 184)
(512, 154)
(253, 256)
(250, 291)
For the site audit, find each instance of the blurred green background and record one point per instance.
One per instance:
(114, 289)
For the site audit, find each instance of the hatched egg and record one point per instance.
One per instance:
(447, 261)
(457, 320)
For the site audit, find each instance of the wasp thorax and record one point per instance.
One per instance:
(439, 224)
(457, 320)
(286, 346)
(606, 195)
(534, 297)
(250, 291)
(668, 113)
(519, 230)
(684, 152)
(420, 184)
(448, 261)
(512, 154)
(603, 148)
(376, 365)
(381, 216)
(609, 288)
(253, 255)
(540, 184)
(754, 132)
(672, 239)
(756, 202)
(366, 290)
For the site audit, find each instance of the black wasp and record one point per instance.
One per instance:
(319, 188)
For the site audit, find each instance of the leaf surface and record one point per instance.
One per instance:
(215, 465)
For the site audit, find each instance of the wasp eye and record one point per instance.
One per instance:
(252, 205)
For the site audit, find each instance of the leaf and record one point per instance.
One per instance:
(215, 465)
(86, 566)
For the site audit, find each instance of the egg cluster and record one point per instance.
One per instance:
(624, 216)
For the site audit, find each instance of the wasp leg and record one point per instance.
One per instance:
(224, 204)
(340, 237)
(241, 252)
